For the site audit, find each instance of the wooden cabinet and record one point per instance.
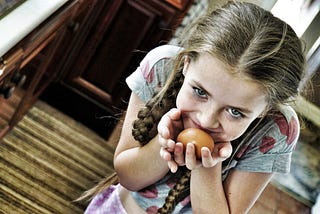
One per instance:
(9, 68)
(28, 68)
(113, 37)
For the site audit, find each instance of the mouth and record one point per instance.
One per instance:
(197, 125)
(215, 134)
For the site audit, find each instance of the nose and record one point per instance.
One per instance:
(209, 118)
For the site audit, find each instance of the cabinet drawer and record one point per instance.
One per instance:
(46, 29)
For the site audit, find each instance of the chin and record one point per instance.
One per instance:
(220, 138)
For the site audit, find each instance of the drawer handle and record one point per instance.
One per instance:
(7, 91)
(19, 79)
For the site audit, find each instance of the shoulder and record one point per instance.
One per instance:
(157, 54)
(160, 52)
(270, 147)
(282, 132)
(287, 123)
(152, 71)
(276, 135)
(154, 56)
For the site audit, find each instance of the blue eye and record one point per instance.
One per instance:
(235, 113)
(199, 92)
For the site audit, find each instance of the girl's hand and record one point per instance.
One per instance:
(168, 128)
(221, 151)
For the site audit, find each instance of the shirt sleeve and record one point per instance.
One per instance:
(152, 74)
(270, 149)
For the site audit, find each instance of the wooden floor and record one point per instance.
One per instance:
(275, 201)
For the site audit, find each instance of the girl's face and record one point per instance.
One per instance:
(218, 101)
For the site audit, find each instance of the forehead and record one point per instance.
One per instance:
(223, 83)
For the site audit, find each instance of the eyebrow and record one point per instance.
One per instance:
(243, 110)
(202, 88)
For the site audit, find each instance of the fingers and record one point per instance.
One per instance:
(190, 157)
(173, 166)
(168, 118)
(164, 154)
(209, 158)
(225, 152)
(175, 158)
(166, 143)
(178, 155)
(168, 127)
(170, 124)
(221, 152)
(173, 114)
(224, 149)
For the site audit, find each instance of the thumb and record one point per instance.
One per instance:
(225, 150)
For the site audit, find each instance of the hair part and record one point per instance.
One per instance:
(252, 41)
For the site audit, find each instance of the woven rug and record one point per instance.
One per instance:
(47, 161)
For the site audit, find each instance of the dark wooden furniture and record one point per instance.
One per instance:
(77, 59)
(25, 69)
(111, 39)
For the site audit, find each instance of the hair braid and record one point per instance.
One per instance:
(144, 128)
(177, 193)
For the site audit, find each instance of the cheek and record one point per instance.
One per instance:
(235, 130)
(180, 102)
(185, 100)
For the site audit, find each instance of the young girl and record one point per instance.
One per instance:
(233, 74)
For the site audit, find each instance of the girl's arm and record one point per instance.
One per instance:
(235, 195)
(136, 166)
(244, 188)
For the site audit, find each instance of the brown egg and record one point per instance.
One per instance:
(198, 137)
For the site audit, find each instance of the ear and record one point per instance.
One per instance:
(185, 65)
